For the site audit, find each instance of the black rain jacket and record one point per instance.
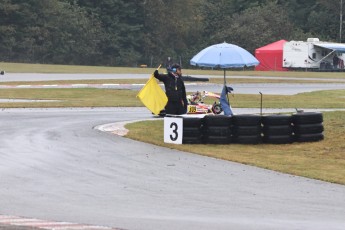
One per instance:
(174, 87)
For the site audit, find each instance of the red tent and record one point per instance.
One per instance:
(270, 57)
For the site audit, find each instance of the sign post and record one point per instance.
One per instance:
(173, 130)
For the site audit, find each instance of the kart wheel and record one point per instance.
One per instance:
(217, 108)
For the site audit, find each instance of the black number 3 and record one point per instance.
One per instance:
(174, 125)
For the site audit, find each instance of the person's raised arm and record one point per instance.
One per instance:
(157, 75)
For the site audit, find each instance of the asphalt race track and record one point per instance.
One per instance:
(54, 165)
(253, 88)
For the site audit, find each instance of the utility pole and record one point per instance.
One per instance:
(341, 20)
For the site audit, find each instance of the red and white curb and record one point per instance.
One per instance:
(118, 128)
(49, 225)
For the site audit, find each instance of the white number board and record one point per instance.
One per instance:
(173, 130)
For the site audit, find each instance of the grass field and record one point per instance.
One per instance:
(323, 160)
(92, 97)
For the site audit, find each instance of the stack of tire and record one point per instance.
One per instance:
(217, 129)
(307, 126)
(247, 129)
(192, 130)
(277, 129)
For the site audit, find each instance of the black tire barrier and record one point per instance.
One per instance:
(277, 130)
(247, 130)
(253, 129)
(249, 139)
(276, 119)
(307, 118)
(308, 128)
(217, 120)
(210, 139)
(192, 135)
(192, 122)
(217, 129)
(192, 140)
(246, 120)
(278, 139)
(192, 130)
(309, 137)
(247, 134)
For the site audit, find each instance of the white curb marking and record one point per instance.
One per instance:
(48, 225)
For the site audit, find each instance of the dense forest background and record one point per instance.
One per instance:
(135, 32)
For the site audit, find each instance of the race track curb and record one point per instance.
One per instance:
(12, 222)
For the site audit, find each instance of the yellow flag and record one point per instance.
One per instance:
(152, 96)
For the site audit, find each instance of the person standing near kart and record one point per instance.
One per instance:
(174, 89)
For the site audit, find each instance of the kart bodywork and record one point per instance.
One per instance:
(196, 104)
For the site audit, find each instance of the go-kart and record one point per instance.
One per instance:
(196, 104)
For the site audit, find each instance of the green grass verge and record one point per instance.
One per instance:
(190, 70)
(79, 97)
(93, 97)
(324, 160)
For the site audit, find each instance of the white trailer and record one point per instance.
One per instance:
(313, 54)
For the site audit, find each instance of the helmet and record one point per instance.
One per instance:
(174, 67)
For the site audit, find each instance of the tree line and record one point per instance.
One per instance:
(134, 32)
